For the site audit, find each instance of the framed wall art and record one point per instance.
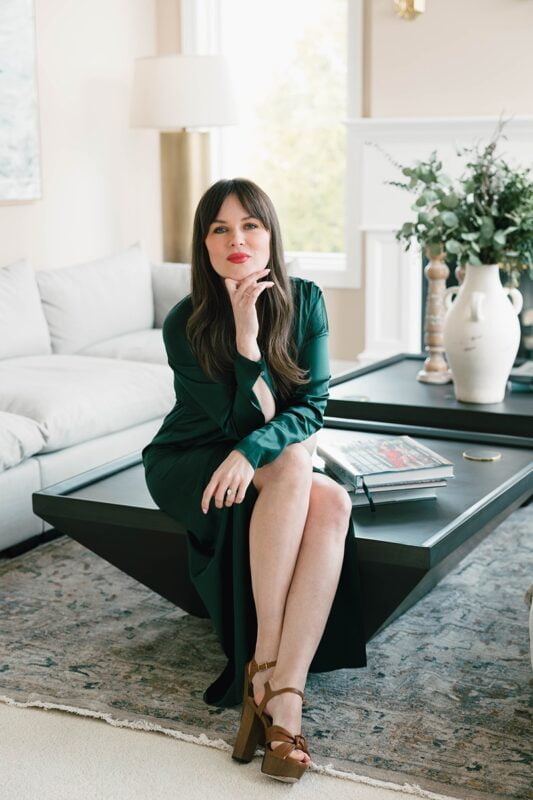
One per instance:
(20, 172)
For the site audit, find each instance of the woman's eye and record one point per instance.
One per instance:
(251, 225)
(219, 229)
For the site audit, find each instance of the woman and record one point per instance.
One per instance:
(268, 547)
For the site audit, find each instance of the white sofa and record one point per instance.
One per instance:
(83, 372)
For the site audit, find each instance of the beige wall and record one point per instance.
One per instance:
(459, 58)
(346, 308)
(100, 177)
(168, 26)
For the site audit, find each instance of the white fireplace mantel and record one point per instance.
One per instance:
(393, 279)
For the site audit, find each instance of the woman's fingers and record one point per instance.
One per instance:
(229, 495)
(249, 297)
(237, 289)
(251, 280)
(208, 494)
(222, 497)
(234, 473)
(236, 495)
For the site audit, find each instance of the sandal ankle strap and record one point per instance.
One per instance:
(254, 667)
(270, 692)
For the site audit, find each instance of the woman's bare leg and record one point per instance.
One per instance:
(276, 530)
(295, 572)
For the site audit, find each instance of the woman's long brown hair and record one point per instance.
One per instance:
(211, 326)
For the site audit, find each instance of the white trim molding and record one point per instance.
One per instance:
(200, 27)
(326, 269)
(393, 296)
(463, 129)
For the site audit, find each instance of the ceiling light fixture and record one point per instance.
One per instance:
(409, 9)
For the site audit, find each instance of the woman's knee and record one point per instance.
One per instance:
(330, 505)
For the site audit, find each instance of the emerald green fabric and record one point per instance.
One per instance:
(211, 418)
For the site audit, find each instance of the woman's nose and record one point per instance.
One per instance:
(237, 238)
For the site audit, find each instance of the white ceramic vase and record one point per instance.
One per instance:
(481, 334)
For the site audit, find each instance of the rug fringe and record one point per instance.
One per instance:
(220, 744)
(140, 725)
(406, 788)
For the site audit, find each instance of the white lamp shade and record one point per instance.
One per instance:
(177, 91)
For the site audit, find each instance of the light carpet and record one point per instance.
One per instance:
(441, 709)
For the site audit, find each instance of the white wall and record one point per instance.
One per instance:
(101, 188)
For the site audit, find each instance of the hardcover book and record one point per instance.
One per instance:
(398, 495)
(380, 460)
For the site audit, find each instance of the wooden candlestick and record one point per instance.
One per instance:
(435, 369)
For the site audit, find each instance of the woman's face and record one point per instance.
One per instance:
(237, 243)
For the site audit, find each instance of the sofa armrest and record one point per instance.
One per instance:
(170, 284)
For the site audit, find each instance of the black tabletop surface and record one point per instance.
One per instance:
(389, 391)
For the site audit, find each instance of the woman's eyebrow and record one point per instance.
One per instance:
(223, 221)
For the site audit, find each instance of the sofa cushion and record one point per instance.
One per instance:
(23, 328)
(139, 346)
(76, 398)
(20, 438)
(70, 461)
(90, 302)
(17, 520)
(170, 284)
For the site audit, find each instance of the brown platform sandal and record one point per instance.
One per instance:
(252, 728)
(276, 762)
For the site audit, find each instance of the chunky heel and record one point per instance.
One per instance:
(287, 770)
(251, 734)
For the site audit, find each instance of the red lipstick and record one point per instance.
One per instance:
(238, 258)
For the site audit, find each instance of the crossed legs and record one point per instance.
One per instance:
(297, 533)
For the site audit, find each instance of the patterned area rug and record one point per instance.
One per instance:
(442, 707)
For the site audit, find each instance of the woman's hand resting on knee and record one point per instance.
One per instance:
(235, 473)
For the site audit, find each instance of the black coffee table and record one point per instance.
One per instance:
(404, 549)
(388, 392)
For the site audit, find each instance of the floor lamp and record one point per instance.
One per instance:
(177, 95)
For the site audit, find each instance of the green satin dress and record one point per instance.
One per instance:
(209, 419)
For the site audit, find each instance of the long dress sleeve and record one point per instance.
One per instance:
(305, 413)
(233, 407)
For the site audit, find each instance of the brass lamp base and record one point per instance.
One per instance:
(185, 175)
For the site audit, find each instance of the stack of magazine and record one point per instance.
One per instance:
(379, 469)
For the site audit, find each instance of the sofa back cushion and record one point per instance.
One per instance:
(170, 283)
(23, 328)
(91, 302)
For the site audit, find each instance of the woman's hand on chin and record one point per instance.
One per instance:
(235, 473)
(243, 296)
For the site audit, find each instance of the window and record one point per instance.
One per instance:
(289, 62)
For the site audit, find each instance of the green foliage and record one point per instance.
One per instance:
(485, 217)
